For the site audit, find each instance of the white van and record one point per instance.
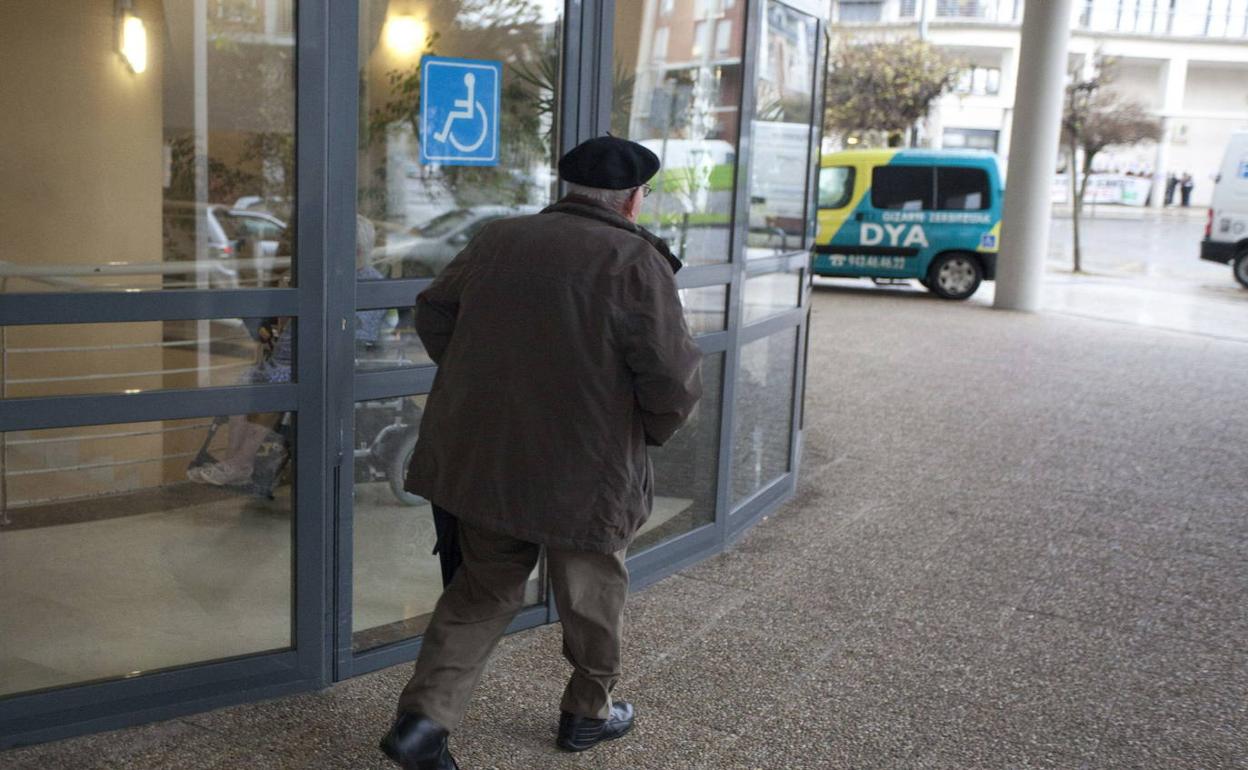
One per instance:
(1226, 232)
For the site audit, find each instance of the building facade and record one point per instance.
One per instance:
(1185, 60)
(214, 220)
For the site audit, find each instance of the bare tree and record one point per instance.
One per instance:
(1097, 117)
(885, 86)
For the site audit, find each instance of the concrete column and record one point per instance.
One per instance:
(1034, 137)
(1161, 165)
(1173, 84)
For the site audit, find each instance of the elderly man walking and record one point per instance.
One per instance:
(562, 353)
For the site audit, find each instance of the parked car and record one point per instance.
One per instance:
(895, 215)
(1226, 231)
(423, 251)
(239, 248)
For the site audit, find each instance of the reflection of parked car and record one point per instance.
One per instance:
(278, 207)
(229, 234)
(423, 251)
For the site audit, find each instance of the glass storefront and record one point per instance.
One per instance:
(113, 565)
(183, 314)
(678, 92)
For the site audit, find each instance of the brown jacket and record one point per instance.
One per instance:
(562, 351)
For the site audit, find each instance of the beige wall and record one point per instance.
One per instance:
(81, 185)
(81, 151)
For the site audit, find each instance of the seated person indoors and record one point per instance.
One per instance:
(249, 432)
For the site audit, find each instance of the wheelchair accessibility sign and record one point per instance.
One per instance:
(459, 110)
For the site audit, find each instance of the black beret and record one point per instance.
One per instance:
(608, 163)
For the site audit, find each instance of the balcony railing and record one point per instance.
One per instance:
(1156, 18)
(1220, 19)
(974, 10)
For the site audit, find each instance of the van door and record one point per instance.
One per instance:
(893, 234)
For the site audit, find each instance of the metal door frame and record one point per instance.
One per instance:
(94, 706)
(326, 297)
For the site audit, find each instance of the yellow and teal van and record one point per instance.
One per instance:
(893, 215)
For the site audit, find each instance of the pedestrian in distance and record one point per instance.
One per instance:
(562, 355)
(1172, 183)
(1185, 189)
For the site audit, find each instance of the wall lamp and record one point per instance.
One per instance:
(131, 37)
(405, 35)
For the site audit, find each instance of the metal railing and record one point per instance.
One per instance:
(1226, 19)
(974, 10)
(1222, 19)
(201, 274)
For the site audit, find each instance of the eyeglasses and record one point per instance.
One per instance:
(646, 190)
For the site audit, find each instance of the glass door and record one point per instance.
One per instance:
(159, 310)
(459, 125)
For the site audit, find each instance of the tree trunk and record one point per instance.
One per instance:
(1083, 192)
(1076, 206)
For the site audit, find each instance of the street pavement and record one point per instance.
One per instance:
(1019, 541)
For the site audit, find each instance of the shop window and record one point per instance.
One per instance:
(905, 188)
(962, 189)
(688, 115)
(836, 186)
(425, 211)
(783, 132)
(144, 546)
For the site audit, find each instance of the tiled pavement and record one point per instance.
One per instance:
(1019, 541)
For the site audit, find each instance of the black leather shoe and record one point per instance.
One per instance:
(580, 733)
(417, 742)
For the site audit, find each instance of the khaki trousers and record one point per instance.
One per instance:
(487, 592)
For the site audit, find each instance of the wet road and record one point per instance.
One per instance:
(1161, 245)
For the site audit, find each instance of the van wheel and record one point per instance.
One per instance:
(1241, 269)
(954, 276)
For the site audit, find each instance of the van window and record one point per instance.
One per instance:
(962, 189)
(908, 188)
(836, 186)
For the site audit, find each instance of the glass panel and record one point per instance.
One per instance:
(783, 131)
(706, 308)
(686, 469)
(170, 166)
(902, 188)
(836, 187)
(125, 549)
(762, 420)
(962, 189)
(767, 295)
(386, 339)
(679, 93)
(424, 214)
(73, 359)
(397, 578)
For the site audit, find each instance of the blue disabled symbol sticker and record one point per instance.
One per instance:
(459, 110)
